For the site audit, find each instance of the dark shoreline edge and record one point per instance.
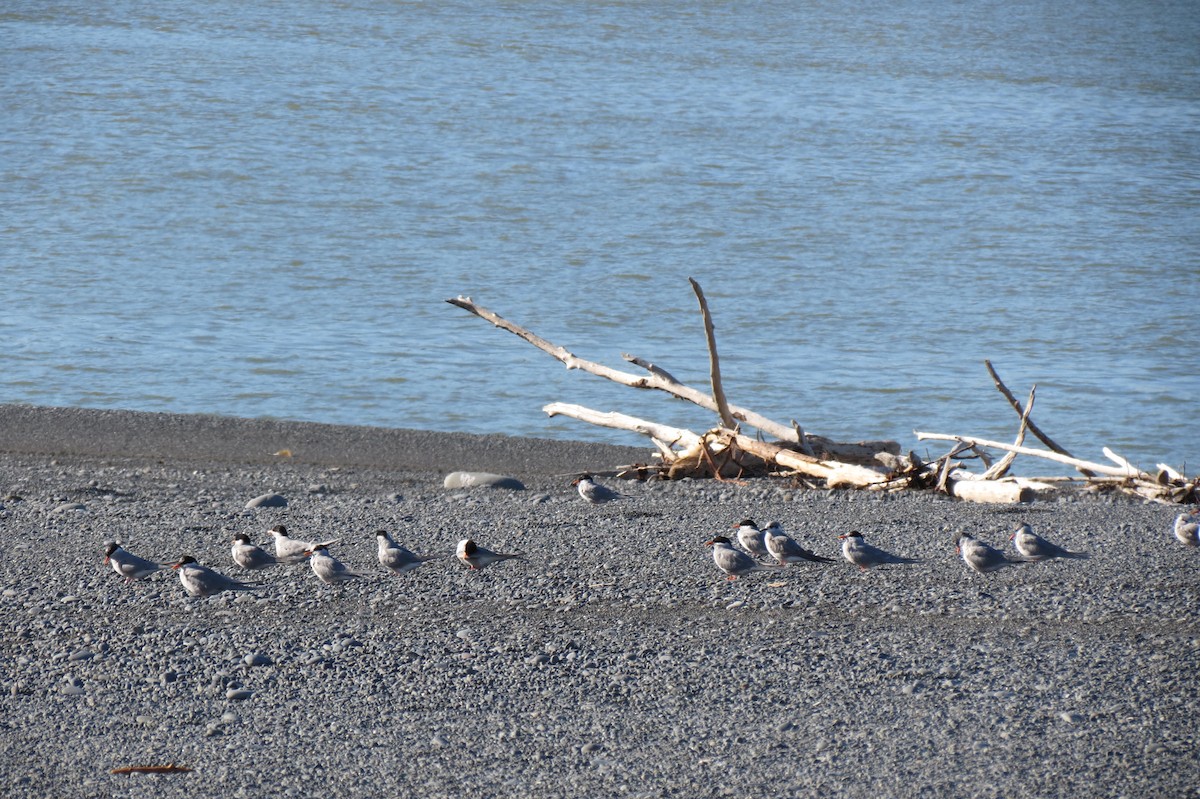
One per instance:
(41, 430)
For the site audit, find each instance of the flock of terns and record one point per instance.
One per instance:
(758, 548)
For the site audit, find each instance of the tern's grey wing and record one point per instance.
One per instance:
(254, 558)
(733, 562)
(131, 565)
(1042, 549)
(790, 548)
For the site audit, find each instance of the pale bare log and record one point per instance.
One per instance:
(1001, 468)
(714, 363)
(671, 436)
(1098, 468)
(991, 491)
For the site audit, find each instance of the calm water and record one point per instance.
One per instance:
(258, 209)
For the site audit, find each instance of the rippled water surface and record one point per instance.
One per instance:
(259, 210)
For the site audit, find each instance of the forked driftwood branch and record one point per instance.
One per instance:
(724, 452)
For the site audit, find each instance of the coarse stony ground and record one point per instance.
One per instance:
(614, 660)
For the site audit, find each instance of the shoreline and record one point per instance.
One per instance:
(43, 430)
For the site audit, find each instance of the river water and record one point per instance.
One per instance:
(258, 209)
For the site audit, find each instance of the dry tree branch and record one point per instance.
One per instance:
(714, 364)
(1001, 468)
(1033, 428)
(1127, 471)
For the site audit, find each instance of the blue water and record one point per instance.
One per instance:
(259, 210)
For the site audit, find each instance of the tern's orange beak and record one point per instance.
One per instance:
(709, 543)
(176, 565)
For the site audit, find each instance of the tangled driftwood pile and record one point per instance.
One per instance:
(725, 452)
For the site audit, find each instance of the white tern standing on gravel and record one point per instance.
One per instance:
(856, 550)
(981, 557)
(1187, 528)
(329, 569)
(397, 558)
(1034, 547)
(202, 581)
(751, 538)
(291, 550)
(476, 557)
(781, 547)
(249, 556)
(594, 493)
(127, 564)
(733, 562)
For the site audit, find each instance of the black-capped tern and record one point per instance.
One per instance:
(734, 562)
(1187, 528)
(751, 538)
(397, 558)
(1036, 548)
(781, 547)
(329, 569)
(249, 556)
(127, 564)
(594, 493)
(982, 558)
(202, 581)
(476, 557)
(291, 550)
(856, 550)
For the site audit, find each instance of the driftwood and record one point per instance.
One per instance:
(725, 452)
(661, 380)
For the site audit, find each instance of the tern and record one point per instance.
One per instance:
(781, 547)
(329, 569)
(981, 557)
(398, 558)
(733, 562)
(477, 558)
(856, 550)
(127, 564)
(594, 493)
(202, 581)
(249, 556)
(1035, 548)
(751, 538)
(1187, 528)
(290, 550)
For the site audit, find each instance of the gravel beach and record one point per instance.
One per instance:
(612, 660)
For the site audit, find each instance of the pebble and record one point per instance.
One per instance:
(267, 501)
(238, 694)
(481, 480)
(257, 659)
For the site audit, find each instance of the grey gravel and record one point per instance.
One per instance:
(614, 660)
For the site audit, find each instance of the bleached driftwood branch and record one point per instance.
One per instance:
(1127, 470)
(661, 380)
(714, 363)
(670, 436)
(1033, 428)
